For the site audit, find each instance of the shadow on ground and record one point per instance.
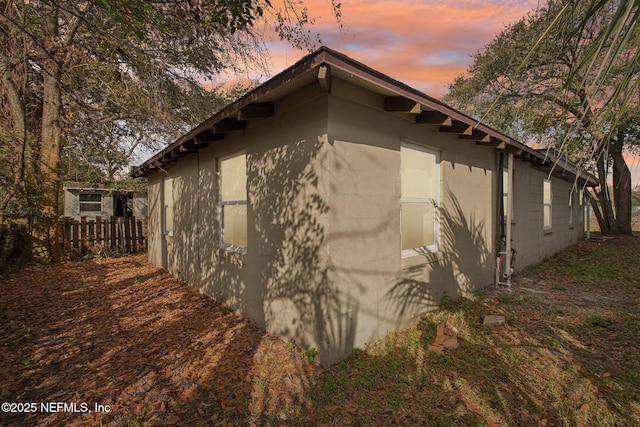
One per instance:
(122, 333)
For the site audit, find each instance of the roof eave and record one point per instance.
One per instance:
(466, 126)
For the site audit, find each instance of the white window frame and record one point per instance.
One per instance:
(434, 201)
(547, 227)
(95, 203)
(168, 205)
(223, 244)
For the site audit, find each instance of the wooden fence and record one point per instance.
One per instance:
(102, 236)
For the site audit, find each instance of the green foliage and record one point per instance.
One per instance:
(136, 75)
(597, 320)
(14, 240)
(530, 80)
(135, 185)
(7, 245)
(311, 355)
(565, 76)
(505, 297)
(446, 299)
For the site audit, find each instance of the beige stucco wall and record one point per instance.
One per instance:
(281, 279)
(140, 206)
(323, 264)
(154, 221)
(532, 242)
(379, 289)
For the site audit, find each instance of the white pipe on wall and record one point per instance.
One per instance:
(507, 256)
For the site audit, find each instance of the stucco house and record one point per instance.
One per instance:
(333, 204)
(81, 199)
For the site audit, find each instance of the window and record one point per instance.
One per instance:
(90, 202)
(167, 197)
(505, 192)
(233, 200)
(547, 197)
(420, 182)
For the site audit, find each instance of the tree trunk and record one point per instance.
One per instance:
(46, 234)
(621, 186)
(596, 211)
(606, 219)
(18, 136)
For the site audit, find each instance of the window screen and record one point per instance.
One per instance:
(419, 178)
(233, 200)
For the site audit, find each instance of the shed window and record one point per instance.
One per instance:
(547, 197)
(168, 218)
(420, 180)
(90, 202)
(233, 200)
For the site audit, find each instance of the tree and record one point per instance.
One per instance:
(84, 75)
(552, 77)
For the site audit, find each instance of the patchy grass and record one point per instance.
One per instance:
(568, 355)
(123, 333)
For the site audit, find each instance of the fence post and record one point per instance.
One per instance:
(141, 237)
(75, 232)
(127, 234)
(83, 236)
(67, 233)
(134, 240)
(91, 232)
(98, 230)
(114, 241)
(120, 225)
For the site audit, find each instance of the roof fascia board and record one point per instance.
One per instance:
(330, 57)
(374, 77)
(377, 78)
(291, 74)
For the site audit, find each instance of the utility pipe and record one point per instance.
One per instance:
(507, 256)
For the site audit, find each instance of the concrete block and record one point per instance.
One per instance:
(492, 320)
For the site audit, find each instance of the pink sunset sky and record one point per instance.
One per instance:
(422, 43)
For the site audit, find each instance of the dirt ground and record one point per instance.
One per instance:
(128, 336)
(121, 342)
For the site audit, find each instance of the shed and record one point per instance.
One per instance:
(333, 204)
(86, 200)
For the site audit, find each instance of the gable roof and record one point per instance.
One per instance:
(321, 65)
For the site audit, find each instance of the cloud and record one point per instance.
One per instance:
(425, 44)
